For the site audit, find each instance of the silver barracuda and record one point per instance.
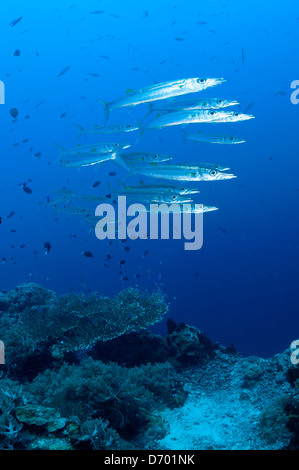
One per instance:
(201, 172)
(194, 117)
(80, 160)
(186, 208)
(158, 188)
(213, 138)
(101, 147)
(184, 104)
(166, 198)
(108, 129)
(161, 91)
(132, 158)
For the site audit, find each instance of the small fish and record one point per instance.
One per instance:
(26, 189)
(160, 91)
(14, 22)
(40, 104)
(96, 184)
(249, 106)
(179, 39)
(17, 53)
(87, 254)
(280, 93)
(243, 55)
(48, 247)
(14, 112)
(63, 71)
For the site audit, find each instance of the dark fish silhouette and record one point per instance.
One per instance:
(14, 22)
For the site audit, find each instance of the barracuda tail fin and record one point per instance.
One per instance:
(80, 128)
(122, 161)
(141, 130)
(149, 110)
(106, 110)
(185, 135)
(113, 191)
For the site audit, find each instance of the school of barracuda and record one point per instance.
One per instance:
(171, 108)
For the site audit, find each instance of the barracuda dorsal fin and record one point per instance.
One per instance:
(80, 128)
(106, 110)
(60, 147)
(129, 90)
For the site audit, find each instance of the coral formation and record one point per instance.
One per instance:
(83, 373)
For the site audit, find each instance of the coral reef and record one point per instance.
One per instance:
(83, 373)
(38, 328)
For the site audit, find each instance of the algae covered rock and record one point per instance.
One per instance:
(36, 415)
(252, 372)
(188, 344)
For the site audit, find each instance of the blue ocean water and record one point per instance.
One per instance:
(242, 285)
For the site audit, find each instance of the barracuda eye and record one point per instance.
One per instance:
(212, 113)
(231, 138)
(201, 80)
(213, 172)
(155, 156)
(220, 101)
(173, 197)
(237, 114)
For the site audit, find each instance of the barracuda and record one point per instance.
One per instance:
(201, 172)
(160, 91)
(213, 138)
(189, 104)
(107, 129)
(194, 117)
